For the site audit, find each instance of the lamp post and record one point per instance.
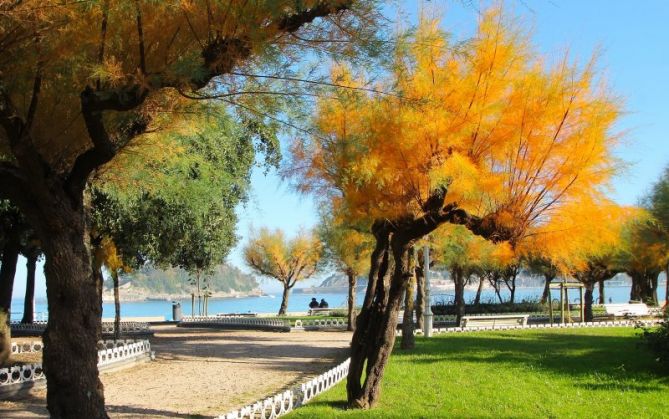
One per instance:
(427, 314)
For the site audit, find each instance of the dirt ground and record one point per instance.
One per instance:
(206, 372)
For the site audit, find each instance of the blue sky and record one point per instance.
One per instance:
(633, 38)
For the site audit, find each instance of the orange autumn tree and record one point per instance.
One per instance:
(81, 80)
(584, 241)
(271, 254)
(487, 135)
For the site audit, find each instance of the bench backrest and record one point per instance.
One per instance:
(636, 309)
(505, 320)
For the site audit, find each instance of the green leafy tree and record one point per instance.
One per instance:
(657, 203)
(348, 249)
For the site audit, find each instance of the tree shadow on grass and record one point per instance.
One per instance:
(620, 362)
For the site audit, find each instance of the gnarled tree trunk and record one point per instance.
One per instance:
(70, 340)
(29, 301)
(602, 296)
(10, 256)
(380, 328)
(352, 279)
(373, 308)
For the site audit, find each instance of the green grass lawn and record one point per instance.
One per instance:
(559, 373)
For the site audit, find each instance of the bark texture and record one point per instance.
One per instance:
(352, 279)
(70, 341)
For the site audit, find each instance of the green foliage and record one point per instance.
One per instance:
(179, 210)
(594, 373)
(224, 278)
(657, 339)
(658, 200)
(525, 306)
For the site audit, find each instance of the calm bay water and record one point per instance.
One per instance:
(300, 302)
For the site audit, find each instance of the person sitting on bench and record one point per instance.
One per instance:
(323, 304)
(313, 303)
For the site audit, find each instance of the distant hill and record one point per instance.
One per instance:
(172, 283)
(339, 280)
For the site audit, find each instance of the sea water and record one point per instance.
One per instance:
(300, 302)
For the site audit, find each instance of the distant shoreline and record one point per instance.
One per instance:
(136, 296)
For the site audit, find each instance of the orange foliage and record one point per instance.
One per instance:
(508, 135)
(269, 253)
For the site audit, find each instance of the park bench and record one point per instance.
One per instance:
(627, 310)
(495, 320)
(315, 311)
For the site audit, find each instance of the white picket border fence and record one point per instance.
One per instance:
(315, 324)
(107, 327)
(234, 321)
(615, 323)
(286, 401)
(110, 353)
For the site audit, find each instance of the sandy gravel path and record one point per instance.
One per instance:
(207, 372)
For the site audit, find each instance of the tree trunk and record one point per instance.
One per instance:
(199, 297)
(372, 307)
(284, 300)
(545, 297)
(602, 296)
(352, 279)
(420, 297)
(459, 279)
(10, 257)
(589, 289)
(29, 301)
(117, 306)
(479, 290)
(408, 339)
(511, 284)
(74, 389)
(644, 287)
(666, 286)
(376, 336)
(494, 282)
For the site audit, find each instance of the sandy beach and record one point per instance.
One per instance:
(206, 372)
